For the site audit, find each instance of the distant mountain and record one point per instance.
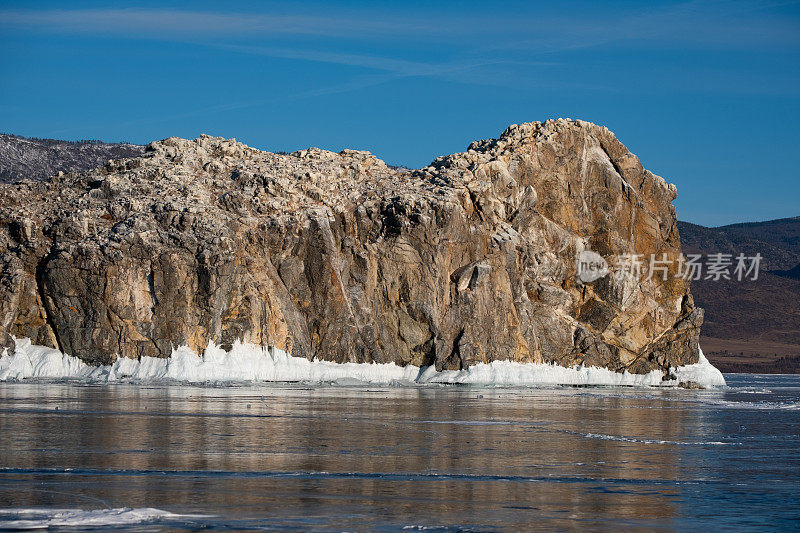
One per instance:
(751, 326)
(793, 273)
(38, 159)
(778, 241)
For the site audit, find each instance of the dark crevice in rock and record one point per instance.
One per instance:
(454, 360)
(617, 169)
(41, 268)
(151, 288)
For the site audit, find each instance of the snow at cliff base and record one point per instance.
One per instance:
(249, 363)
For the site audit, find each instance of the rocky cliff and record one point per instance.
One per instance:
(339, 257)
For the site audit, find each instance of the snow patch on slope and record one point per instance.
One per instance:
(247, 362)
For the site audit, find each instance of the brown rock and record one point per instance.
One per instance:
(339, 257)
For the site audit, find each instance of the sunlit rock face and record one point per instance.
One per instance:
(338, 257)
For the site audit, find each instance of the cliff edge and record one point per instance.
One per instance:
(338, 257)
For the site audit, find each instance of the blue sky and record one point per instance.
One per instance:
(707, 94)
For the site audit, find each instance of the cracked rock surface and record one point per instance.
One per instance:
(337, 256)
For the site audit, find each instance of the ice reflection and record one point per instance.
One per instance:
(292, 456)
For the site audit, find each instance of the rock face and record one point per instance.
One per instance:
(339, 257)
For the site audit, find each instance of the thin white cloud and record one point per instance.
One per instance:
(729, 24)
(736, 23)
(214, 29)
(322, 56)
(503, 46)
(400, 67)
(167, 23)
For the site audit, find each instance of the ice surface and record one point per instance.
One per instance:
(22, 519)
(247, 362)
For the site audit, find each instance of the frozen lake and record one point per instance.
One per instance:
(295, 457)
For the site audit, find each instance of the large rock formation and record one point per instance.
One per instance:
(339, 257)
